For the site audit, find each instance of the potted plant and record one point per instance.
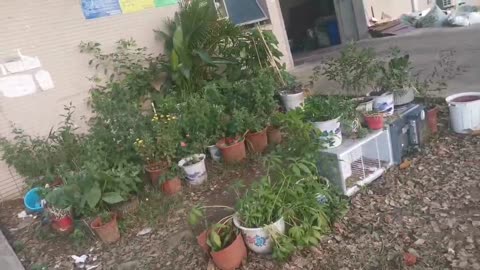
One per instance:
(259, 212)
(159, 145)
(374, 120)
(171, 183)
(59, 209)
(325, 113)
(396, 78)
(291, 91)
(106, 227)
(222, 241)
(232, 145)
(200, 124)
(194, 168)
(356, 71)
(274, 132)
(256, 138)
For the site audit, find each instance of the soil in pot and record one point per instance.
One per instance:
(107, 231)
(374, 121)
(257, 142)
(63, 225)
(232, 152)
(155, 171)
(193, 160)
(274, 136)
(432, 119)
(231, 257)
(172, 186)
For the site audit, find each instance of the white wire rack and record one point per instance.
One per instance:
(356, 163)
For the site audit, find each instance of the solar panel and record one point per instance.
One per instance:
(245, 11)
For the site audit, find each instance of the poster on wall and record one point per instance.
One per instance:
(129, 6)
(93, 9)
(162, 3)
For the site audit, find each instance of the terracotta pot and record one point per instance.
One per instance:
(108, 232)
(154, 172)
(233, 153)
(63, 225)
(172, 186)
(257, 142)
(432, 118)
(202, 241)
(374, 122)
(274, 136)
(232, 256)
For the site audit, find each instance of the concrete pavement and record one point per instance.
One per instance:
(8, 258)
(424, 46)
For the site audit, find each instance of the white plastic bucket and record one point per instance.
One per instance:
(384, 103)
(464, 112)
(196, 173)
(331, 132)
(258, 239)
(292, 101)
(215, 153)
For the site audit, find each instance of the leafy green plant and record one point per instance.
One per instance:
(325, 108)
(221, 236)
(40, 158)
(356, 69)
(160, 143)
(200, 123)
(396, 73)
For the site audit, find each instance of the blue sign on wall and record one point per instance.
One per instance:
(93, 9)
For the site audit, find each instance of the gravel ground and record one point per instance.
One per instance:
(424, 216)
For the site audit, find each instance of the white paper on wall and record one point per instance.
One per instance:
(24, 63)
(17, 85)
(44, 80)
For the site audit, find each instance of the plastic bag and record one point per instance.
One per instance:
(434, 18)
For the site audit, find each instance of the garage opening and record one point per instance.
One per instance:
(311, 25)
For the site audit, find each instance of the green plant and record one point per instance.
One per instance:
(325, 108)
(40, 158)
(200, 122)
(160, 143)
(192, 42)
(396, 73)
(221, 236)
(356, 69)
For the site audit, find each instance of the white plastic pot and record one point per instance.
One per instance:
(331, 132)
(258, 239)
(197, 172)
(464, 112)
(384, 103)
(215, 153)
(403, 97)
(292, 101)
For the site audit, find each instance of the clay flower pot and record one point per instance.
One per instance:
(274, 136)
(154, 172)
(63, 225)
(172, 186)
(202, 241)
(374, 121)
(257, 142)
(432, 119)
(231, 257)
(107, 232)
(232, 153)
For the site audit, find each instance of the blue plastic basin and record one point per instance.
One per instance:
(32, 201)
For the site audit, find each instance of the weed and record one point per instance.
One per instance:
(18, 246)
(39, 267)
